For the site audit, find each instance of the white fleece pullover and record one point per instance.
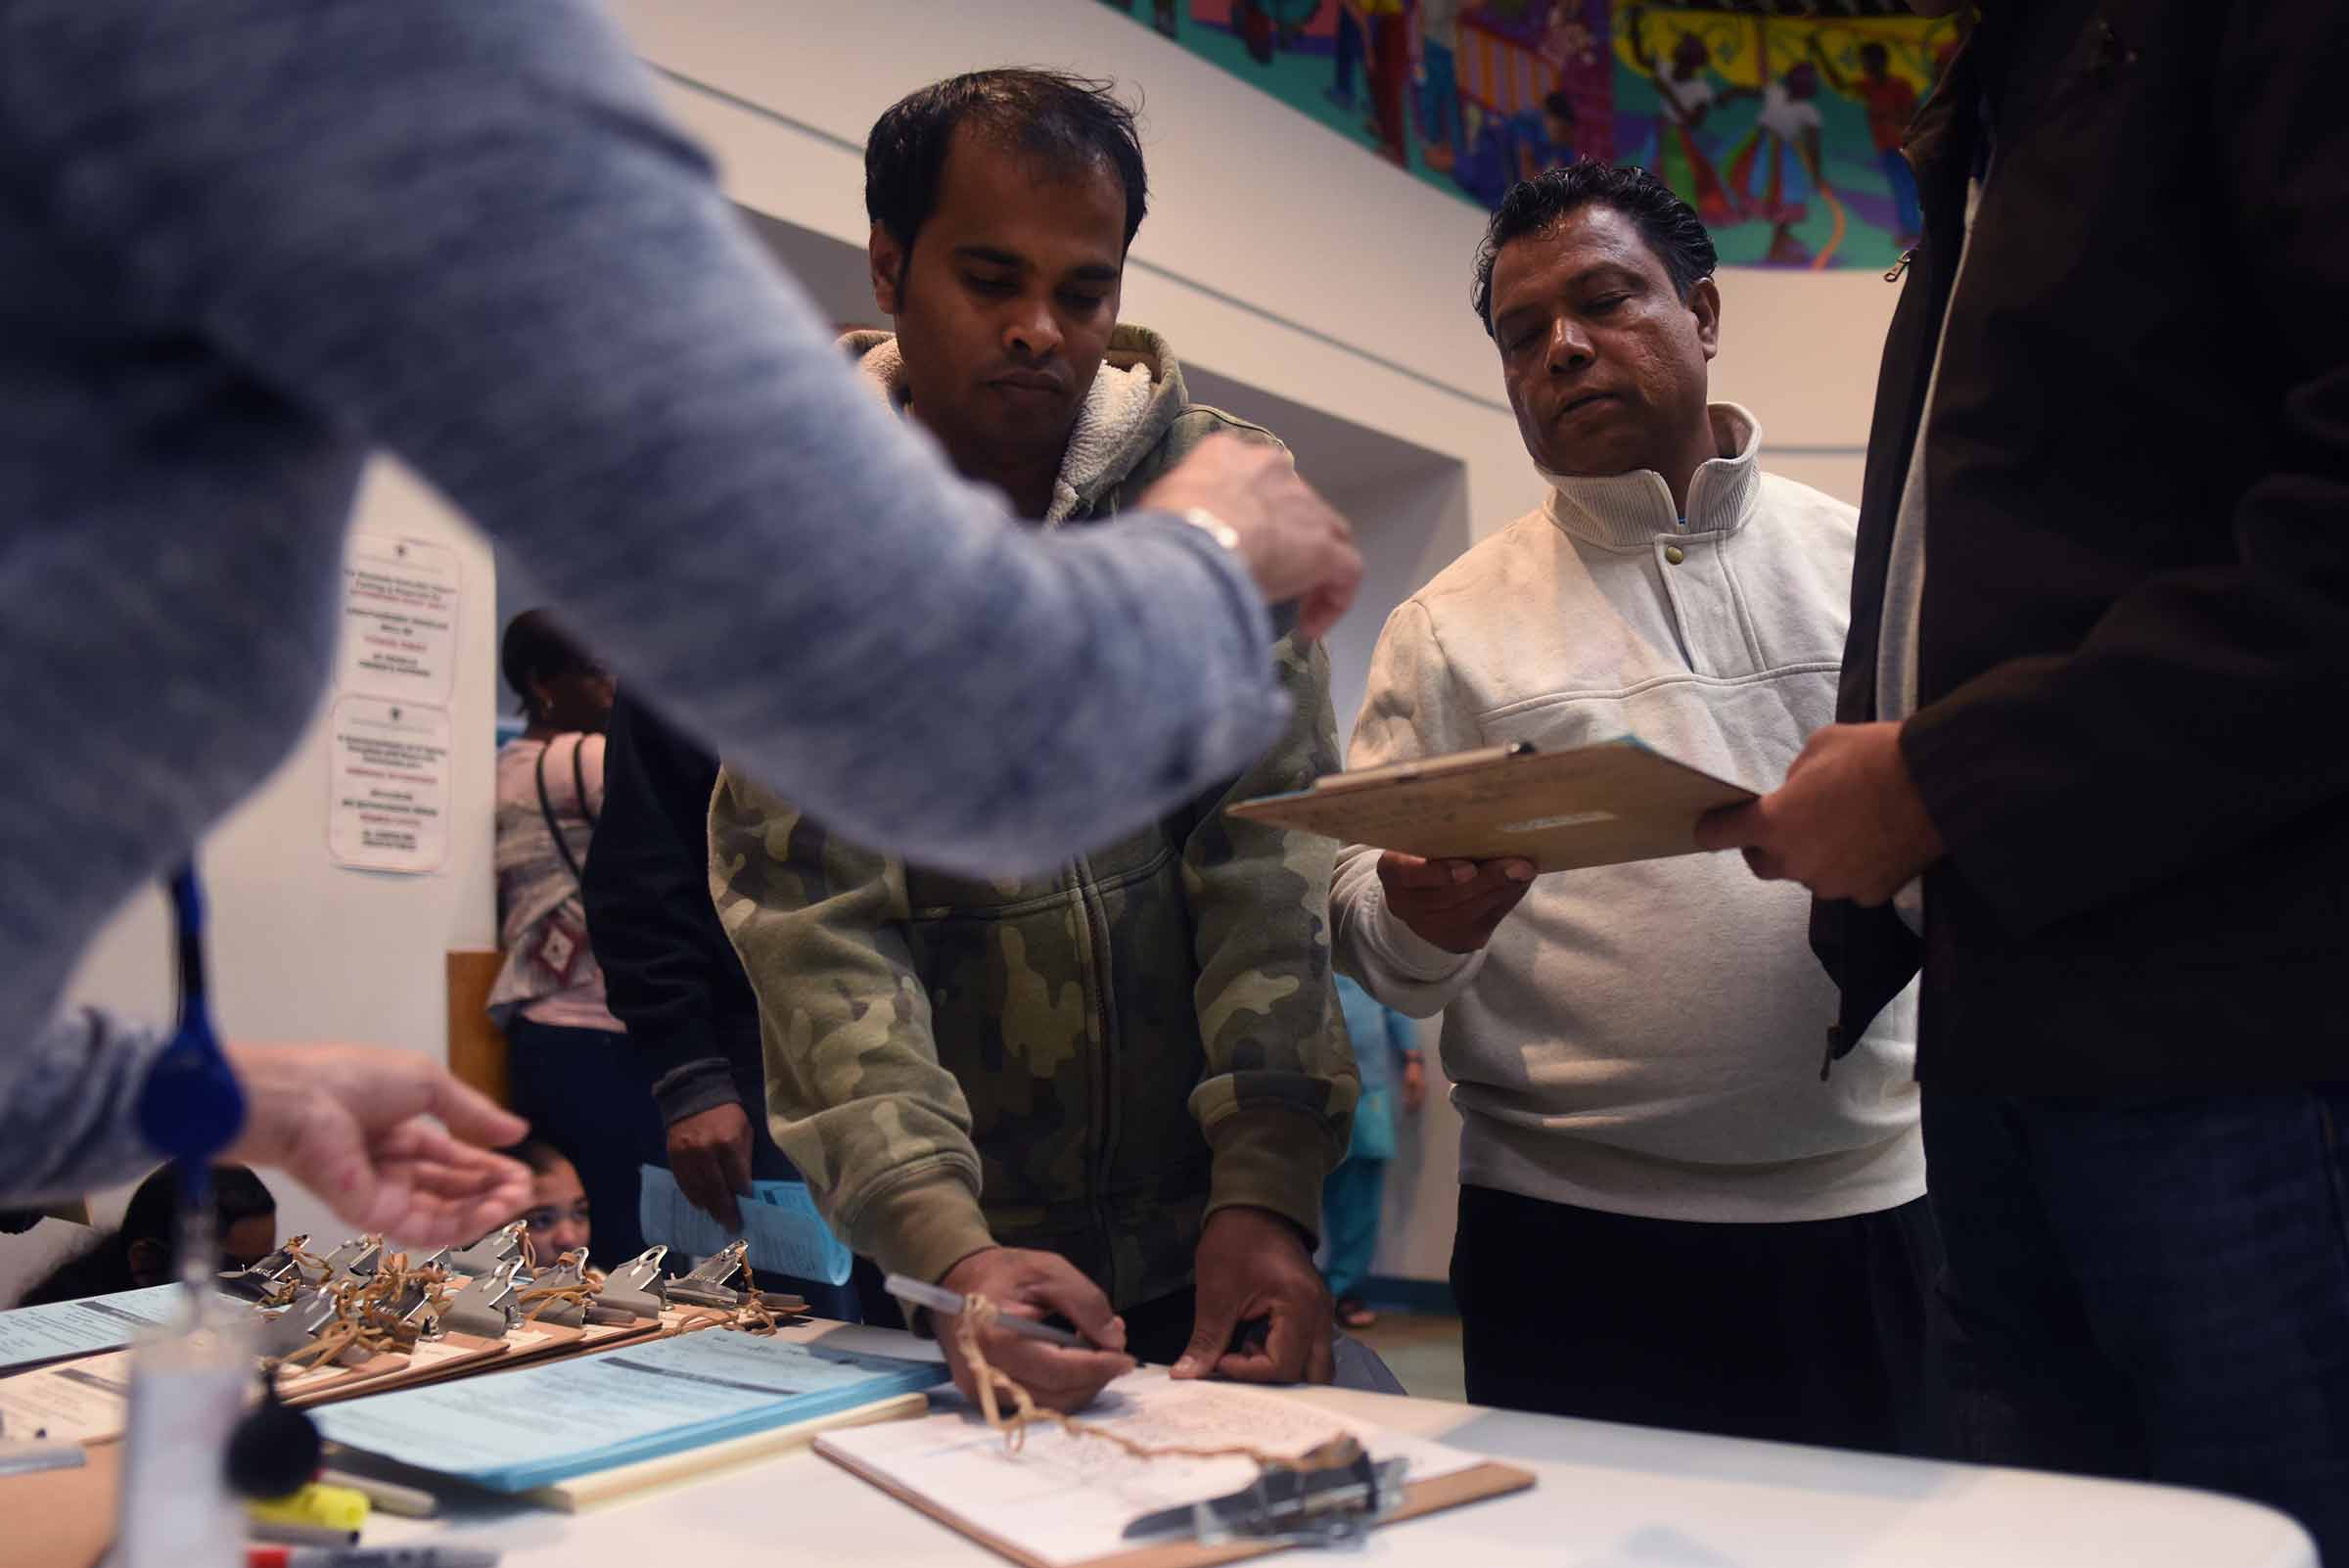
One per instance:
(1645, 1040)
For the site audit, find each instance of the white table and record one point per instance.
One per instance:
(1608, 1496)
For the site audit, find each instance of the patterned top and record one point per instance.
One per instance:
(551, 975)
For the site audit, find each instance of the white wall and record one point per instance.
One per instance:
(303, 950)
(1281, 260)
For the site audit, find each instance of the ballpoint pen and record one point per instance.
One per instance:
(943, 1301)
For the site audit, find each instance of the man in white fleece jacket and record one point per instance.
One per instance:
(1669, 1215)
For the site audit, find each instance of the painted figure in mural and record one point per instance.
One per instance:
(1252, 24)
(1548, 136)
(1162, 13)
(1778, 166)
(1577, 46)
(1891, 105)
(1390, 74)
(1267, 26)
(1347, 50)
(1482, 168)
(1686, 97)
(1440, 81)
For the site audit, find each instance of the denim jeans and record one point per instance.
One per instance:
(2153, 1289)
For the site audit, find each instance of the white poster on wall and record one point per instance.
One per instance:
(388, 785)
(399, 618)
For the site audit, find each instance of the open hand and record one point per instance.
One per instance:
(390, 1142)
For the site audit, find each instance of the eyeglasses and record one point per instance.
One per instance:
(549, 1217)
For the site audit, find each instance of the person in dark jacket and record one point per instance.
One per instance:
(671, 977)
(2100, 639)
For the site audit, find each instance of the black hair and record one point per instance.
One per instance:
(1670, 225)
(538, 1154)
(1062, 121)
(534, 648)
(1560, 104)
(152, 1216)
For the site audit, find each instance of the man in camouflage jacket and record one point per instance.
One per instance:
(1075, 1090)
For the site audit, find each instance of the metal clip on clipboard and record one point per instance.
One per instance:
(568, 1272)
(288, 1332)
(634, 1290)
(711, 1284)
(486, 1254)
(1333, 1500)
(266, 1280)
(356, 1259)
(412, 1308)
(485, 1306)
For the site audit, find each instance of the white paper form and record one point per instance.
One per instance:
(1067, 1498)
(30, 1335)
(780, 1221)
(388, 785)
(87, 1401)
(539, 1425)
(400, 620)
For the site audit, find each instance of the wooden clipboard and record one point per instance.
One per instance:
(1490, 1479)
(1599, 804)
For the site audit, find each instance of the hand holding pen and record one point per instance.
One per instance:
(1060, 1371)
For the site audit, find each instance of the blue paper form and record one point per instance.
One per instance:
(33, 1334)
(779, 1219)
(539, 1425)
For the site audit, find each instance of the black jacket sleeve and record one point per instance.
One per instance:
(2200, 714)
(670, 975)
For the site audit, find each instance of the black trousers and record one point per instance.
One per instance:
(1820, 1331)
(584, 1092)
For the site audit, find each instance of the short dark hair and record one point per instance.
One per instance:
(1561, 104)
(1670, 225)
(1062, 121)
(534, 648)
(539, 1155)
(152, 1215)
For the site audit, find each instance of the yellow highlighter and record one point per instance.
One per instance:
(316, 1506)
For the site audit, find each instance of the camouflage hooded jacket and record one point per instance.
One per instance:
(1087, 1061)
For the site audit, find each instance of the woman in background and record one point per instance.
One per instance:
(574, 1074)
(140, 1253)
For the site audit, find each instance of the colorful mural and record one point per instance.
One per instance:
(1784, 131)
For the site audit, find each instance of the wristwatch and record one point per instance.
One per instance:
(1214, 526)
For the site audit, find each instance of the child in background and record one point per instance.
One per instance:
(559, 1215)
(1384, 1040)
(140, 1252)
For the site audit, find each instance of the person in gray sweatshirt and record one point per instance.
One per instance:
(1665, 1215)
(247, 246)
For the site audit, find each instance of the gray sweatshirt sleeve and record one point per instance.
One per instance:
(463, 231)
(68, 1119)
